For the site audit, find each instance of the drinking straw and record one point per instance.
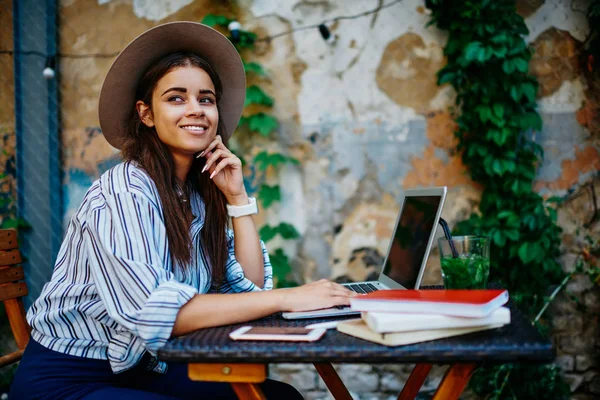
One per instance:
(446, 229)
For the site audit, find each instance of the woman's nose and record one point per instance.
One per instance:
(194, 109)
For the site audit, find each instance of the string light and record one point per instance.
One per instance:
(49, 72)
(326, 34)
(234, 27)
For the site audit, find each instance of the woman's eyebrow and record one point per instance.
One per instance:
(175, 89)
(184, 90)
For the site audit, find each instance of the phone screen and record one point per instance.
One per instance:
(262, 330)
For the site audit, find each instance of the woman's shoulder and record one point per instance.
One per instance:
(127, 177)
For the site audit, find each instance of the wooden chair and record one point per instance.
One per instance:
(11, 293)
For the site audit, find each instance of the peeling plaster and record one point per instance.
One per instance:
(558, 14)
(569, 159)
(154, 10)
(568, 98)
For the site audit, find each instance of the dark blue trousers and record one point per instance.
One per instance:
(47, 374)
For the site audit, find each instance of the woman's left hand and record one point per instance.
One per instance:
(225, 169)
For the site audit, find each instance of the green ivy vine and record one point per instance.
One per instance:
(263, 124)
(488, 63)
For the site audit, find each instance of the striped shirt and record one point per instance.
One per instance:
(114, 293)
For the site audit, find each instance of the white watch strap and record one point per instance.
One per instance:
(240, 211)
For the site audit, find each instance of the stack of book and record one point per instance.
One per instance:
(397, 317)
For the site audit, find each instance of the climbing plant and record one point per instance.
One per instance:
(264, 124)
(488, 63)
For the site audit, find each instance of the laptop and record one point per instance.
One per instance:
(407, 253)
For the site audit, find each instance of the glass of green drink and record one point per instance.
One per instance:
(469, 267)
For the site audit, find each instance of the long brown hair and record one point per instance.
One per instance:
(143, 146)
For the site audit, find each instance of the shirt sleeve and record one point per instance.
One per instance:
(130, 262)
(235, 279)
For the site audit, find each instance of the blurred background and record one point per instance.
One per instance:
(344, 113)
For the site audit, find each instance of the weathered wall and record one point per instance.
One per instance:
(367, 121)
(7, 113)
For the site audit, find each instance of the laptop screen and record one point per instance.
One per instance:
(410, 240)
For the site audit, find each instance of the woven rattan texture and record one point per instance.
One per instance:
(518, 341)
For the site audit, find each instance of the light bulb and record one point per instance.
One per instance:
(48, 73)
(326, 34)
(234, 27)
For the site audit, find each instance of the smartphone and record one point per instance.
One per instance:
(277, 333)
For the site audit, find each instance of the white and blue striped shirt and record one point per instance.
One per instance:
(114, 292)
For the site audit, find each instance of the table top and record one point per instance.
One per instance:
(516, 342)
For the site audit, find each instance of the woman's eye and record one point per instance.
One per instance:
(176, 99)
(206, 100)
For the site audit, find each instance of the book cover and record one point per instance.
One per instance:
(460, 303)
(359, 329)
(401, 322)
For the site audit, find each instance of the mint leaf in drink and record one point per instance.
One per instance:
(465, 272)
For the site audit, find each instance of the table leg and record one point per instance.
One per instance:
(248, 391)
(454, 382)
(244, 378)
(415, 381)
(333, 381)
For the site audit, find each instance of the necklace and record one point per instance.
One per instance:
(182, 192)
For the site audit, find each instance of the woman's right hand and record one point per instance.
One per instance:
(316, 295)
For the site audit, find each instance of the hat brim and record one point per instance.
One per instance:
(117, 96)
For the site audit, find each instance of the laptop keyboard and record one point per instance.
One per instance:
(362, 287)
(358, 288)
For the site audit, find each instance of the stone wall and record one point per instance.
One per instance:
(367, 121)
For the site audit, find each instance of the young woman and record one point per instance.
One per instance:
(148, 255)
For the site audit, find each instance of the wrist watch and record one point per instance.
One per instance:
(240, 211)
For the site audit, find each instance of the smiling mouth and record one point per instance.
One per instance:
(194, 128)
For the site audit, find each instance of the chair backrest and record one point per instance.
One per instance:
(12, 289)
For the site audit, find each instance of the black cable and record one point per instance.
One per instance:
(327, 21)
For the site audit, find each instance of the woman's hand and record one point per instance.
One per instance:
(225, 170)
(316, 295)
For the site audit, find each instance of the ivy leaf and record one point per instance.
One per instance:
(520, 64)
(530, 120)
(280, 264)
(512, 234)
(530, 91)
(255, 95)
(515, 93)
(287, 231)
(213, 20)
(501, 136)
(472, 51)
(484, 113)
(265, 160)
(498, 167)
(267, 233)
(445, 76)
(246, 40)
(526, 253)
(262, 123)
(498, 110)
(255, 68)
(499, 238)
(269, 194)
(508, 66)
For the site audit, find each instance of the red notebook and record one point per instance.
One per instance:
(460, 303)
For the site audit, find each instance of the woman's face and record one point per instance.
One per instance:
(184, 111)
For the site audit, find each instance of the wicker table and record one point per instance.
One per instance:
(212, 356)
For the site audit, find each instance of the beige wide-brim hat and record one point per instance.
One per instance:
(117, 97)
